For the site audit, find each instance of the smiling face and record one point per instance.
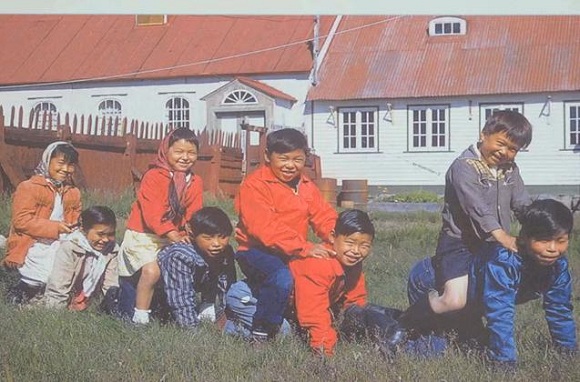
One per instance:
(211, 245)
(182, 155)
(546, 251)
(352, 249)
(100, 235)
(287, 166)
(59, 168)
(497, 149)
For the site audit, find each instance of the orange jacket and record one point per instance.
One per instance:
(32, 205)
(273, 216)
(322, 288)
(153, 202)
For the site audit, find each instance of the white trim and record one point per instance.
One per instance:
(568, 119)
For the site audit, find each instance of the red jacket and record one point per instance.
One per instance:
(153, 202)
(273, 216)
(323, 287)
(32, 205)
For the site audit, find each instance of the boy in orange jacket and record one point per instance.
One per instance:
(276, 205)
(329, 288)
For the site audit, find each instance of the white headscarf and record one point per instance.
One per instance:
(42, 167)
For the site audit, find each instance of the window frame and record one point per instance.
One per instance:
(240, 97)
(429, 133)
(568, 145)
(170, 109)
(437, 26)
(110, 111)
(358, 127)
(52, 114)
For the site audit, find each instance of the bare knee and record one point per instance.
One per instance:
(150, 273)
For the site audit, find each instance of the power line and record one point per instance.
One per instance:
(208, 61)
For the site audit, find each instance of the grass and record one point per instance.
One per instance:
(419, 196)
(41, 345)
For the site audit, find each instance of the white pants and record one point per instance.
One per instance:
(38, 263)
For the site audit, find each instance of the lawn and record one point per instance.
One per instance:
(41, 345)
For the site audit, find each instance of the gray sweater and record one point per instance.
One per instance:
(478, 201)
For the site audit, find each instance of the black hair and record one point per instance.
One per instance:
(286, 140)
(211, 221)
(353, 221)
(183, 133)
(97, 215)
(517, 128)
(69, 153)
(545, 219)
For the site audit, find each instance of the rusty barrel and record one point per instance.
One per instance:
(354, 193)
(327, 187)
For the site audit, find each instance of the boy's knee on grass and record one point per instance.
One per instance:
(150, 274)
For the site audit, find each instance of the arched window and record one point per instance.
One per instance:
(45, 108)
(110, 108)
(240, 97)
(177, 112)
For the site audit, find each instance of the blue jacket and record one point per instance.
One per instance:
(504, 279)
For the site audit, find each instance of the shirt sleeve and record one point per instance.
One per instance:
(358, 294)
(311, 293)
(322, 215)
(24, 215)
(520, 197)
(153, 196)
(558, 308)
(61, 278)
(499, 303)
(255, 204)
(465, 181)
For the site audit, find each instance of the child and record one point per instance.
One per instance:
(85, 262)
(168, 196)
(326, 287)
(482, 187)
(44, 207)
(206, 266)
(276, 204)
(501, 278)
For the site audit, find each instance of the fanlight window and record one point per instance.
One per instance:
(240, 97)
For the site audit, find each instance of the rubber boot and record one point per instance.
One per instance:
(420, 317)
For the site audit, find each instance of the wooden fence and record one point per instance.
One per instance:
(113, 153)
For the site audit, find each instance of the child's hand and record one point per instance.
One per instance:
(64, 227)
(11, 264)
(177, 237)
(321, 252)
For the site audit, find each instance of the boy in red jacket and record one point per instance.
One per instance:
(329, 288)
(276, 205)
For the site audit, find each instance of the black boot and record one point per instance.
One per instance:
(384, 329)
(420, 317)
(21, 293)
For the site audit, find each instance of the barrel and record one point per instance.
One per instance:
(327, 187)
(355, 193)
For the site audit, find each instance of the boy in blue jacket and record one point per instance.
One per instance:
(500, 278)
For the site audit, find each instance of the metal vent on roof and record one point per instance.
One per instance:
(445, 26)
(141, 20)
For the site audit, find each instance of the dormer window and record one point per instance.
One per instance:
(142, 20)
(445, 26)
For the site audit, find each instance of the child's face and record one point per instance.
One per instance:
(100, 235)
(60, 169)
(497, 149)
(546, 252)
(287, 166)
(352, 249)
(211, 245)
(182, 155)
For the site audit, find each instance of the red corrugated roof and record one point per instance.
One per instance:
(498, 55)
(266, 89)
(52, 48)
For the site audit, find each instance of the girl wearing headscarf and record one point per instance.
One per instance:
(168, 196)
(44, 208)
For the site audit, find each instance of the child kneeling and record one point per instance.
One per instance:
(206, 266)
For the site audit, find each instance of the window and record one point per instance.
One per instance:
(240, 97)
(45, 108)
(177, 112)
(142, 20)
(572, 121)
(110, 108)
(358, 130)
(429, 128)
(443, 26)
(486, 110)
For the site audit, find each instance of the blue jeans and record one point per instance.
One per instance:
(240, 310)
(421, 280)
(271, 280)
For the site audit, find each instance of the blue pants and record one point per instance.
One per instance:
(271, 281)
(240, 310)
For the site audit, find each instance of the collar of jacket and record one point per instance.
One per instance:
(42, 181)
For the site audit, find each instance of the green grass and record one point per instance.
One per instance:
(419, 196)
(41, 345)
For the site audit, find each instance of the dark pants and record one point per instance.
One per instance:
(270, 277)
(128, 295)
